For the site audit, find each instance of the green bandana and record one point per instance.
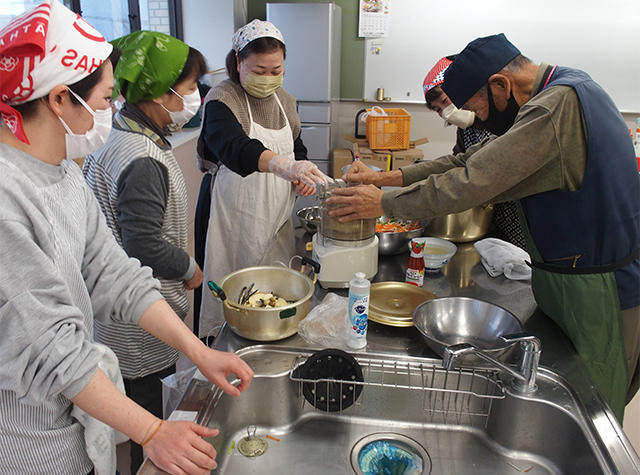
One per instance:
(151, 63)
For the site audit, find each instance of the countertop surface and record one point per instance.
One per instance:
(463, 276)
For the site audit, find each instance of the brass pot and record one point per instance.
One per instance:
(267, 324)
(465, 226)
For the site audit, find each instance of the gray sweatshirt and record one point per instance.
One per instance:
(60, 268)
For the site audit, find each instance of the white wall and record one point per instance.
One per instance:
(424, 123)
(209, 26)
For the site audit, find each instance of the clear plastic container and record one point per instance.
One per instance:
(330, 227)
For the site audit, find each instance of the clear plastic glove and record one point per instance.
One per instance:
(293, 170)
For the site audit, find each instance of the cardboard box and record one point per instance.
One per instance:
(380, 159)
(341, 157)
(344, 156)
(402, 158)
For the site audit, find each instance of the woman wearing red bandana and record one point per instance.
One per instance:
(61, 268)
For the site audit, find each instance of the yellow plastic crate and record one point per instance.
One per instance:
(389, 132)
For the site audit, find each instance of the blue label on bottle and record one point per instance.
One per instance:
(358, 309)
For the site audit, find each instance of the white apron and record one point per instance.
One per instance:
(250, 221)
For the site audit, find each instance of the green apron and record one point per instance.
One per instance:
(587, 308)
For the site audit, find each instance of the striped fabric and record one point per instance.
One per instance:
(41, 439)
(140, 353)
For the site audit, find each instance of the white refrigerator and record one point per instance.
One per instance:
(312, 34)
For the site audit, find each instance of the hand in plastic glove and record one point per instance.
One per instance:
(293, 170)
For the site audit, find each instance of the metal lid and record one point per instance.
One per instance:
(393, 303)
(252, 445)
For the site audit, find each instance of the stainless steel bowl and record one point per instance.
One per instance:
(390, 243)
(309, 218)
(451, 320)
(465, 226)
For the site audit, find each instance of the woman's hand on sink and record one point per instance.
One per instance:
(178, 447)
(216, 366)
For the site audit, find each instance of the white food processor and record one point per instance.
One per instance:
(342, 249)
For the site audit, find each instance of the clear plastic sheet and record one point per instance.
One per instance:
(327, 324)
(173, 387)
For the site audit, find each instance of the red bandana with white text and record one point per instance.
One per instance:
(40, 49)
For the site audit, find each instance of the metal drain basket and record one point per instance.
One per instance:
(463, 396)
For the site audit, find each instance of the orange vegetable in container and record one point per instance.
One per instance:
(396, 225)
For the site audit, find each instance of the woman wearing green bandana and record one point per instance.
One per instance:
(250, 125)
(142, 192)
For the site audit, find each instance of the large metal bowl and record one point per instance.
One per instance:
(465, 226)
(451, 320)
(391, 243)
(267, 324)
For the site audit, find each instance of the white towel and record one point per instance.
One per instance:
(101, 439)
(501, 257)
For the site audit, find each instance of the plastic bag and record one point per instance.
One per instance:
(173, 387)
(327, 324)
(375, 111)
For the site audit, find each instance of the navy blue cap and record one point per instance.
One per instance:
(472, 68)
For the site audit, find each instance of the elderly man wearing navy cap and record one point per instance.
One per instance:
(562, 149)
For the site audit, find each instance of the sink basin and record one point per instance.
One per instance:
(457, 422)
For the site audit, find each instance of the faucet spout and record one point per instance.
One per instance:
(524, 378)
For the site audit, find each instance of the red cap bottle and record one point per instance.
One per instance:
(415, 266)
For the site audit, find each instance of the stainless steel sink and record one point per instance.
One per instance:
(458, 422)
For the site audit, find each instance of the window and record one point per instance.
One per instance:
(113, 18)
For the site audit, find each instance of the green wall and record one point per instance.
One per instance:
(352, 60)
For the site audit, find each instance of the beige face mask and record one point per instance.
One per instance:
(262, 86)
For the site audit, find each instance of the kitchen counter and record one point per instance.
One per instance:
(464, 276)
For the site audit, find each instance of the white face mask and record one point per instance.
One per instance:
(79, 146)
(461, 118)
(191, 104)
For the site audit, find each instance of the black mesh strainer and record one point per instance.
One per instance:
(332, 380)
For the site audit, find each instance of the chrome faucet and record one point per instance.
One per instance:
(524, 377)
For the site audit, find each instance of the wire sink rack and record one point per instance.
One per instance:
(463, 396)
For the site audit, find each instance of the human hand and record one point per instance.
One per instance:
(360, 202)
(216, 366)
(303, 189)
(293, 170)
(358, 172)
(178, 448)
(195, 281)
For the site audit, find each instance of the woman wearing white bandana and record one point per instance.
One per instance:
(61, 268)
(250, 125)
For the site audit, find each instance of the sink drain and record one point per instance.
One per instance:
(252, 445)
(387, 452)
